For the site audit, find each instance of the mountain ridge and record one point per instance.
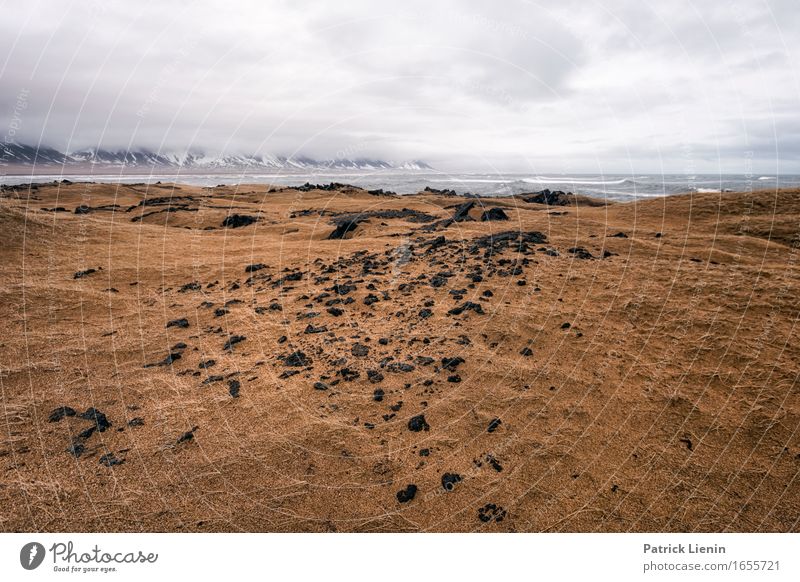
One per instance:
(26, 155)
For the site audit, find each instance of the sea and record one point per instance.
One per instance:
(620, 187)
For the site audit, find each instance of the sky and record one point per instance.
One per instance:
(606, 86)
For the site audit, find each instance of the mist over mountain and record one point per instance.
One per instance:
(21, 155)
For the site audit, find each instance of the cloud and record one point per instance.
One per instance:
(605, 86)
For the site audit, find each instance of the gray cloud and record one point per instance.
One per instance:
(468, 85)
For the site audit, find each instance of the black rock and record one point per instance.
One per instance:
(494, 425)
(526, 352)
(187, 436)
(452, 363)
(97, 417)
(360, 350)
(207, 364)
(370, 299)
(449, 481)
(297, 359)
(238, 220)
(348, 375)
(193, 286)
(343, 228)
(254, 267)
(378, 395)
(212, 379)
(581, 253)
(490, 512)
(183, 323)
(220, 311)
(60, 413)
(425, 313)
(418, 423)
(494, 214)
(400, 367)
(233, 388)
(374, 376)
(407, 494)
(566, 325)
(455, 378)
(461, 213)
(320, 386)
(469, 305)
(109, 460)
(76, 448)
(235, 339)
(335, 311)
(311, 329)
(619, 235)
(138, 421)
(557, 198)
(82, 274)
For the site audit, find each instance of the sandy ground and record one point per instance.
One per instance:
(652, 387)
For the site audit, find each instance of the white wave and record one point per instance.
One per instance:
(546, 180)
(706, 190)
(766, 178)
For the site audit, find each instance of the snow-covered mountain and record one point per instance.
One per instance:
(24, 155)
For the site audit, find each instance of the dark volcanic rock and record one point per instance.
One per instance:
(378, 395)
(557, 198)
(370, 299)
(418, 423)
(491, 511)
(109, 460)
(234, 339)
(183, 323)
(399, 367)
(449, 481)
(343, 228)
(297, 359)
(360, 350)
(494, 425)
(494, 214)
(101, 423)
(526, 352)
(187, 436)
(461, 213)
(173, 356)
(335, 311)
(82, 274)
(374, 376)
(193, 286)
(311, 329)
(320, 386)
(469, 305)
(238, 220)
(60, 413)
(581, 253)
(233, 388)
(452, 363)
(254, 267)
(407, 494)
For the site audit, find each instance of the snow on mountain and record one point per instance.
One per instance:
(24, 155)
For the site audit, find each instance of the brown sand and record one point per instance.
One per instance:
(671, 403)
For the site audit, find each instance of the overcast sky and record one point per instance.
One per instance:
(550, 86)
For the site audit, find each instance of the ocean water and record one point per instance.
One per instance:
(612, 186)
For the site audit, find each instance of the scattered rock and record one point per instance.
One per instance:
(360, 350)
(449, 481)
(494, 425)
(297, 359)
(182, 323)
(60, 413)
(491, 512)
(407, 494)
(233, 388)
(238, 221)
(232, 341)
(418, 423)
(494, 214)
(82, 274)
